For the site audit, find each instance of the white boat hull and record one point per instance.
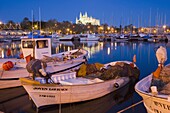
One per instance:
(71, 89)
(9, 79)
(89, 39)
(153, 104)
(59, 94)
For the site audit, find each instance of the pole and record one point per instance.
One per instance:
(40, 18)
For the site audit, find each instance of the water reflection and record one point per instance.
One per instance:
(102, 52)
(15, 49)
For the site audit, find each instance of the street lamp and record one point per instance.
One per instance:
(0, 25)
(35, 26)
(164, 27)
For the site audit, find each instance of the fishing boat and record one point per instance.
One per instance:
(155, 101)
(55, 62)
(122, 38)
(68, 38)
(42, 50)
(9, 79)
(69, 88)
(39, 48)
(88, 37)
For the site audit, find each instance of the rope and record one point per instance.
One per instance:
(2, 73)
(130, 106)
(133, 105)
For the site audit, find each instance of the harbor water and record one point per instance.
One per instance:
(16, 100)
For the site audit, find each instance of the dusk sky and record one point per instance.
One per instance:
(112, 12)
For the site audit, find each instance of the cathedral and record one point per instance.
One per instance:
(84, 19)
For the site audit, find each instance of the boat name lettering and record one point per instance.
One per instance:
(156, 111)
(167, 107)
(62, 89)
(39, 88)
(50, 96)
(50, 89)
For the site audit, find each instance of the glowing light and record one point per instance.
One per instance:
(68, 48)
(115, 45)
(101, 28)
(35, 26)
(134, 46)
(68, 29)
(115, 31)
(108, 50)
(154, 31)
(2, 54)
(164, 26)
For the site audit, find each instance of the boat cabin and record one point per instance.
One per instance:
(36, 47)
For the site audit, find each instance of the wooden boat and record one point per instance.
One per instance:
(41, 50)
(67, 88)
(9, 79)
(25, 105)
(154, 101)
(55, 62)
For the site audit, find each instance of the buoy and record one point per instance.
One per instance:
(134, 58)
(7, 65)
(157, 72)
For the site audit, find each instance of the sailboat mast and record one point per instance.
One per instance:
(40, 18)
(33, 42)
(150, 20)
(32, 22)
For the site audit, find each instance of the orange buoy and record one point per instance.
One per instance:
(157, 72)
(7, 65)
(10, 64)
(134, 58)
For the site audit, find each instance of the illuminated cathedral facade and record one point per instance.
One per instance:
(84, 19)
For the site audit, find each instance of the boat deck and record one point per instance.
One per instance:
(13, 73)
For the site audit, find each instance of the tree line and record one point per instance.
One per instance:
(64, 27)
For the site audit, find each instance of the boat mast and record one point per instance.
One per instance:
(40, 19)
(33, 42)
(150, 21)
(32, 23)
